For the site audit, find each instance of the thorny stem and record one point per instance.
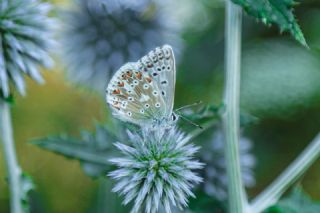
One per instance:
(237, 198)
(14, 171)
(298, 167)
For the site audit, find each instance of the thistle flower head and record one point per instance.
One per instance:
(215, 175)
(24, 41)
(100, 35)
(156, 170)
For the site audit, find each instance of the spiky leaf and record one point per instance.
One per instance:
(279, 12)
(92, 150)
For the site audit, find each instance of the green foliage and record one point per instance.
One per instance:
(279, 12)
(105, 200)
(206, 204)
(9, 99)
(27, 185)
(298, 201)
(92, 150)
(205, 116)
(279, 79)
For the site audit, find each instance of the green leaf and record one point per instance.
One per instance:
(279, 12)
(92, 150)
(298, 201)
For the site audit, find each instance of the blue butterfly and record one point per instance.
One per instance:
(142, 92)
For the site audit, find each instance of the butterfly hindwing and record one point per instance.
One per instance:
(134, 96)
(160, 65)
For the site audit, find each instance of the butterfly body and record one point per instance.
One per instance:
(142, 92)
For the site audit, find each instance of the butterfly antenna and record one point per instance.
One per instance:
(189, 105)
(190, 121)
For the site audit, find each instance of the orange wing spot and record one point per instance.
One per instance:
(139, 75)
(116, 92)
(120, 84)
(149, 79)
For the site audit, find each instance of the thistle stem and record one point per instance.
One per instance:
(237, 198)
(293, 172)
(14, 171)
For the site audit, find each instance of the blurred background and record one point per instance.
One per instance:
(280, 88)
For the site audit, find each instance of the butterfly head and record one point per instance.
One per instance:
(166, 122)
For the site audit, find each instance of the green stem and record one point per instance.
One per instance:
(293, 172)
(237, 198)
(14, 171)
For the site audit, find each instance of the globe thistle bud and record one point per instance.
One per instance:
(215, 175)
(25, 39)
(156, 170)
(101, 35)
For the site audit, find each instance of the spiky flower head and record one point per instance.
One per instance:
(215, 174)
(157, 170)
(101, 35)
(24, 41)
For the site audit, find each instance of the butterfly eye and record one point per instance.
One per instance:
(173, 117)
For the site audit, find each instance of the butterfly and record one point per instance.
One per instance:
(142, 92)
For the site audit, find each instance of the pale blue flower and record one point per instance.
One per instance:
(25, 38)
(157, 170)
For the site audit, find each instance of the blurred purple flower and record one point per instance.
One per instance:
(215, 176)
(101, 35)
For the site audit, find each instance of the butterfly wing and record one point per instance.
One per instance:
(134, 96)
(160, 65)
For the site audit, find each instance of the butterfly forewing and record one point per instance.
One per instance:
(160, 65)
(134, 96)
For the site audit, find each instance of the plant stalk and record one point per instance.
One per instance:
(14, 171)
(237, 198)
(292, 173)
